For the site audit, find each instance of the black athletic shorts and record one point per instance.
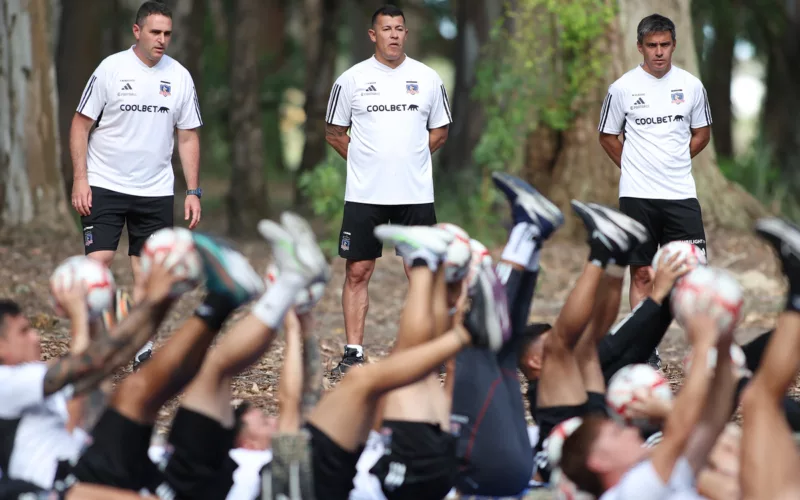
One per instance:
(111, 210)
(665, 221)
(197, 463)
(334, 467)
(118, 455)
(357, 239)
(419, 463)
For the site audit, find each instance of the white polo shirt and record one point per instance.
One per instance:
(389, 112)
(642, 481)
(33, 426)
(137, 109)
(656, 115)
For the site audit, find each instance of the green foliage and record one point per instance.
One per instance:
(543, 60)
(324, 188)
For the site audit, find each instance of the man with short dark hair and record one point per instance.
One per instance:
(123, 168)
(663, 113)
(397, 113)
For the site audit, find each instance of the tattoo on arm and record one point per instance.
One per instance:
(312, 375)
(337, 137)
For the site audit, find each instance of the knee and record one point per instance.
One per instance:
(641, 276)
(358, 273)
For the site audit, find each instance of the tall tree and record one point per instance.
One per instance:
(31, 183)
(562, 155)
(321, 17)
(80, 50)
(475, 19)
(247, 197)
(273, 50)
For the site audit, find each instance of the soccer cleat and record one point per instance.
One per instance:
(628, 224)
(408, 239)
(141, 357)
(227, 271)
(350, 359)
(529, 205)
(785, 238)
(488, 320)
(295, 248)
(618, 239)
(654, 360)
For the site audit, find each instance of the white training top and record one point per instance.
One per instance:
(642, 481)
(656, 115)
(32, 426)
(389, 112)
(137, 109)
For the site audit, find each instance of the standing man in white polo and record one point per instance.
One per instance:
(123, 168)
(663, 114)
(397, 113)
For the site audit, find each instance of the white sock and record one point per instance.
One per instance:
(272, 306)
(359, 349)
(521, 245)
(533, 265)
(147, 347)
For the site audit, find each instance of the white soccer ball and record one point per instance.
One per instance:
(738, 360)
(480, 258)
(692, 253)
(555, 441)
(628, 382)
(174, 248)
(712, 291)
(306, 298)
(458, 254)
(95, 278)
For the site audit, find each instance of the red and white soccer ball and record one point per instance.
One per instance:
(95, 278)
(565, 489)
(628, 382)
(555, 441)
(458, 255)
(712, 291)
(738, 360)
(480, 258)
(174, 248)
(305, 299)
(693, 254)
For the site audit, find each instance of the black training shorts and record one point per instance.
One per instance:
(357, 239)
(111, 210)
(665, 221)
(334, 467)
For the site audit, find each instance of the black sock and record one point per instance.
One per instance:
(215, 309)
(419, 262)
(599, 254)
(793, 299)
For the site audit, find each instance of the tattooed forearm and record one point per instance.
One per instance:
(337, 137)
(106, 352)
(312, 374)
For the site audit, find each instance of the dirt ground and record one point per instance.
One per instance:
(29, 257)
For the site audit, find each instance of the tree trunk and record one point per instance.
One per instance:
(321, 50)
(359, 18)
(571, 164)
(272, 47)
(247, 198)
(719, 73)
(475, 20)
(31, 184)
(780, 121)
(78, 54)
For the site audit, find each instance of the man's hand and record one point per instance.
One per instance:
(191, 208)
(82, 196)
(702, 332)
(647, 406)
(160, 282)
(71, 301)
(670, 268)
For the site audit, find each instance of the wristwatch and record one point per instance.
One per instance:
(197, 192)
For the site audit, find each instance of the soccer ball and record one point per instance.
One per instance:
(480, 257)
(95, 277)
(738, 359)
(174, 248)
(565, 489)
(458, 255)
(710, 290)
(555, 441)
(693, 254)
(305, 299)
(627, 382)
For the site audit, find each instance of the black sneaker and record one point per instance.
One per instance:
(615, 231)
(351, 358)
(654, 360)
(141, 359)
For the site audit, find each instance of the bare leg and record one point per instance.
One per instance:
(138, 279)
(347, 412)
(355, 298)
(417, 321)
(641, 284)
(769, 459)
